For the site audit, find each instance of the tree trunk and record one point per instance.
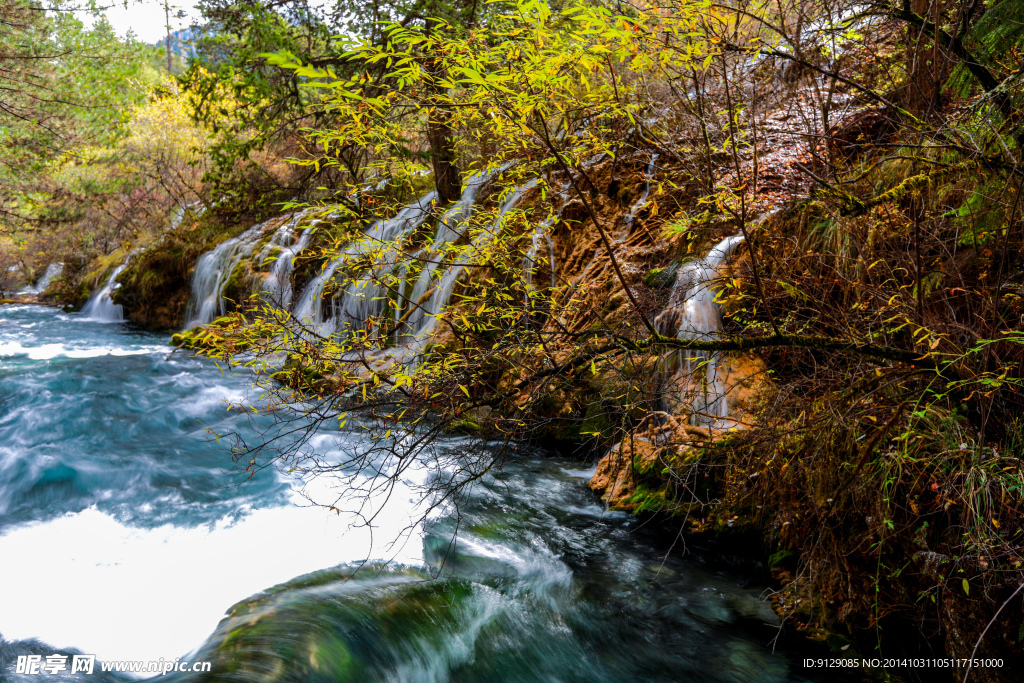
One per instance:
(447, 179)
(440, 135)
(927, 66)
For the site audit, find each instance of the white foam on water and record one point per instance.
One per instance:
(86, 580)
(50, 351)
(587, 474)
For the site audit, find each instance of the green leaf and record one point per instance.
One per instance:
(967, 587)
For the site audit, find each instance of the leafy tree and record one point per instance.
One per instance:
(64, 87)
(235, 38)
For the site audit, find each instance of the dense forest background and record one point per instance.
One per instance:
(864, 156)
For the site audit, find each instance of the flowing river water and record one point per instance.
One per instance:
(126, 533)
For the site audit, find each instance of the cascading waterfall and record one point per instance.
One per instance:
(448, 231)
(101, 306)
(53, 271)
(423, 318)
(277, 286)
(693, 313)
(310, 310)
(213, 270)
(366, 297)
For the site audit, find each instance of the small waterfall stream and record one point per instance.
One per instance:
(101, 306)
(423, 319)
(309, 311)
(693, 313)
(277, 285)
(53, 271)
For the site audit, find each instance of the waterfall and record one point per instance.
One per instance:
(692, 313)
(310, 310)
(423, 319)
(53, 271)
(101, 306)
(642, 201)
(369, 296)
(277, 287)
(213, 270)
(448, 231)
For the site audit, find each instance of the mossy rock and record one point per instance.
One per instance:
(464, 426)
(648, 499)
(783, 559)
(295, 374)
(339, 626)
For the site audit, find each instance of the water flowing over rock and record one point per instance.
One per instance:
(277, 286)
(53, 271)
(214, 270)
(392, 280)
(423, 319)
(693, 313)
(101, 306)
(310, 309)
(418, 303)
